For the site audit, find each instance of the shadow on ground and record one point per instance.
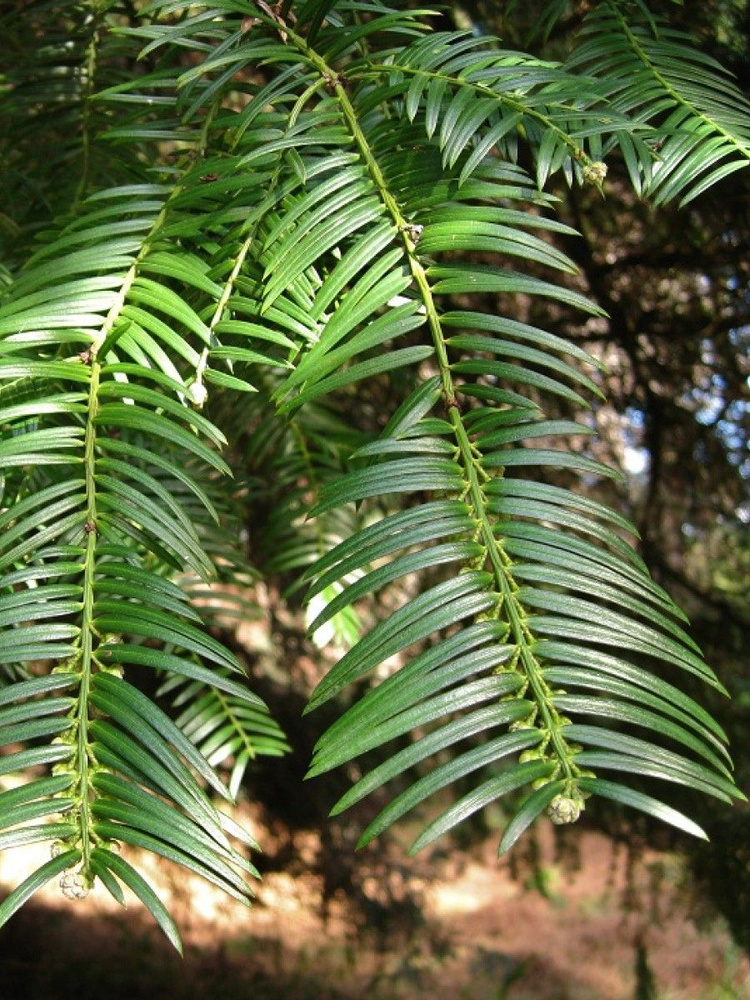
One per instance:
(46, 954)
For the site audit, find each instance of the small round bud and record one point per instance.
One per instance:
(564, 809)
(594, 173)
(415, 232)
(198, 393)
(74, 885)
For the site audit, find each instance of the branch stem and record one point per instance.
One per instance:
(547, 718)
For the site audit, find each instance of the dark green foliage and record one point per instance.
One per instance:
(272, 215)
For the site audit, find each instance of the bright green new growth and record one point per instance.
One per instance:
(261, 220)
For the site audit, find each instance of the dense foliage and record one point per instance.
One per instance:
(271, 284)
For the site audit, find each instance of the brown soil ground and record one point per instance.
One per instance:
(441, 927)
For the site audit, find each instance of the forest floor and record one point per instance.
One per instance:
(597, 925)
